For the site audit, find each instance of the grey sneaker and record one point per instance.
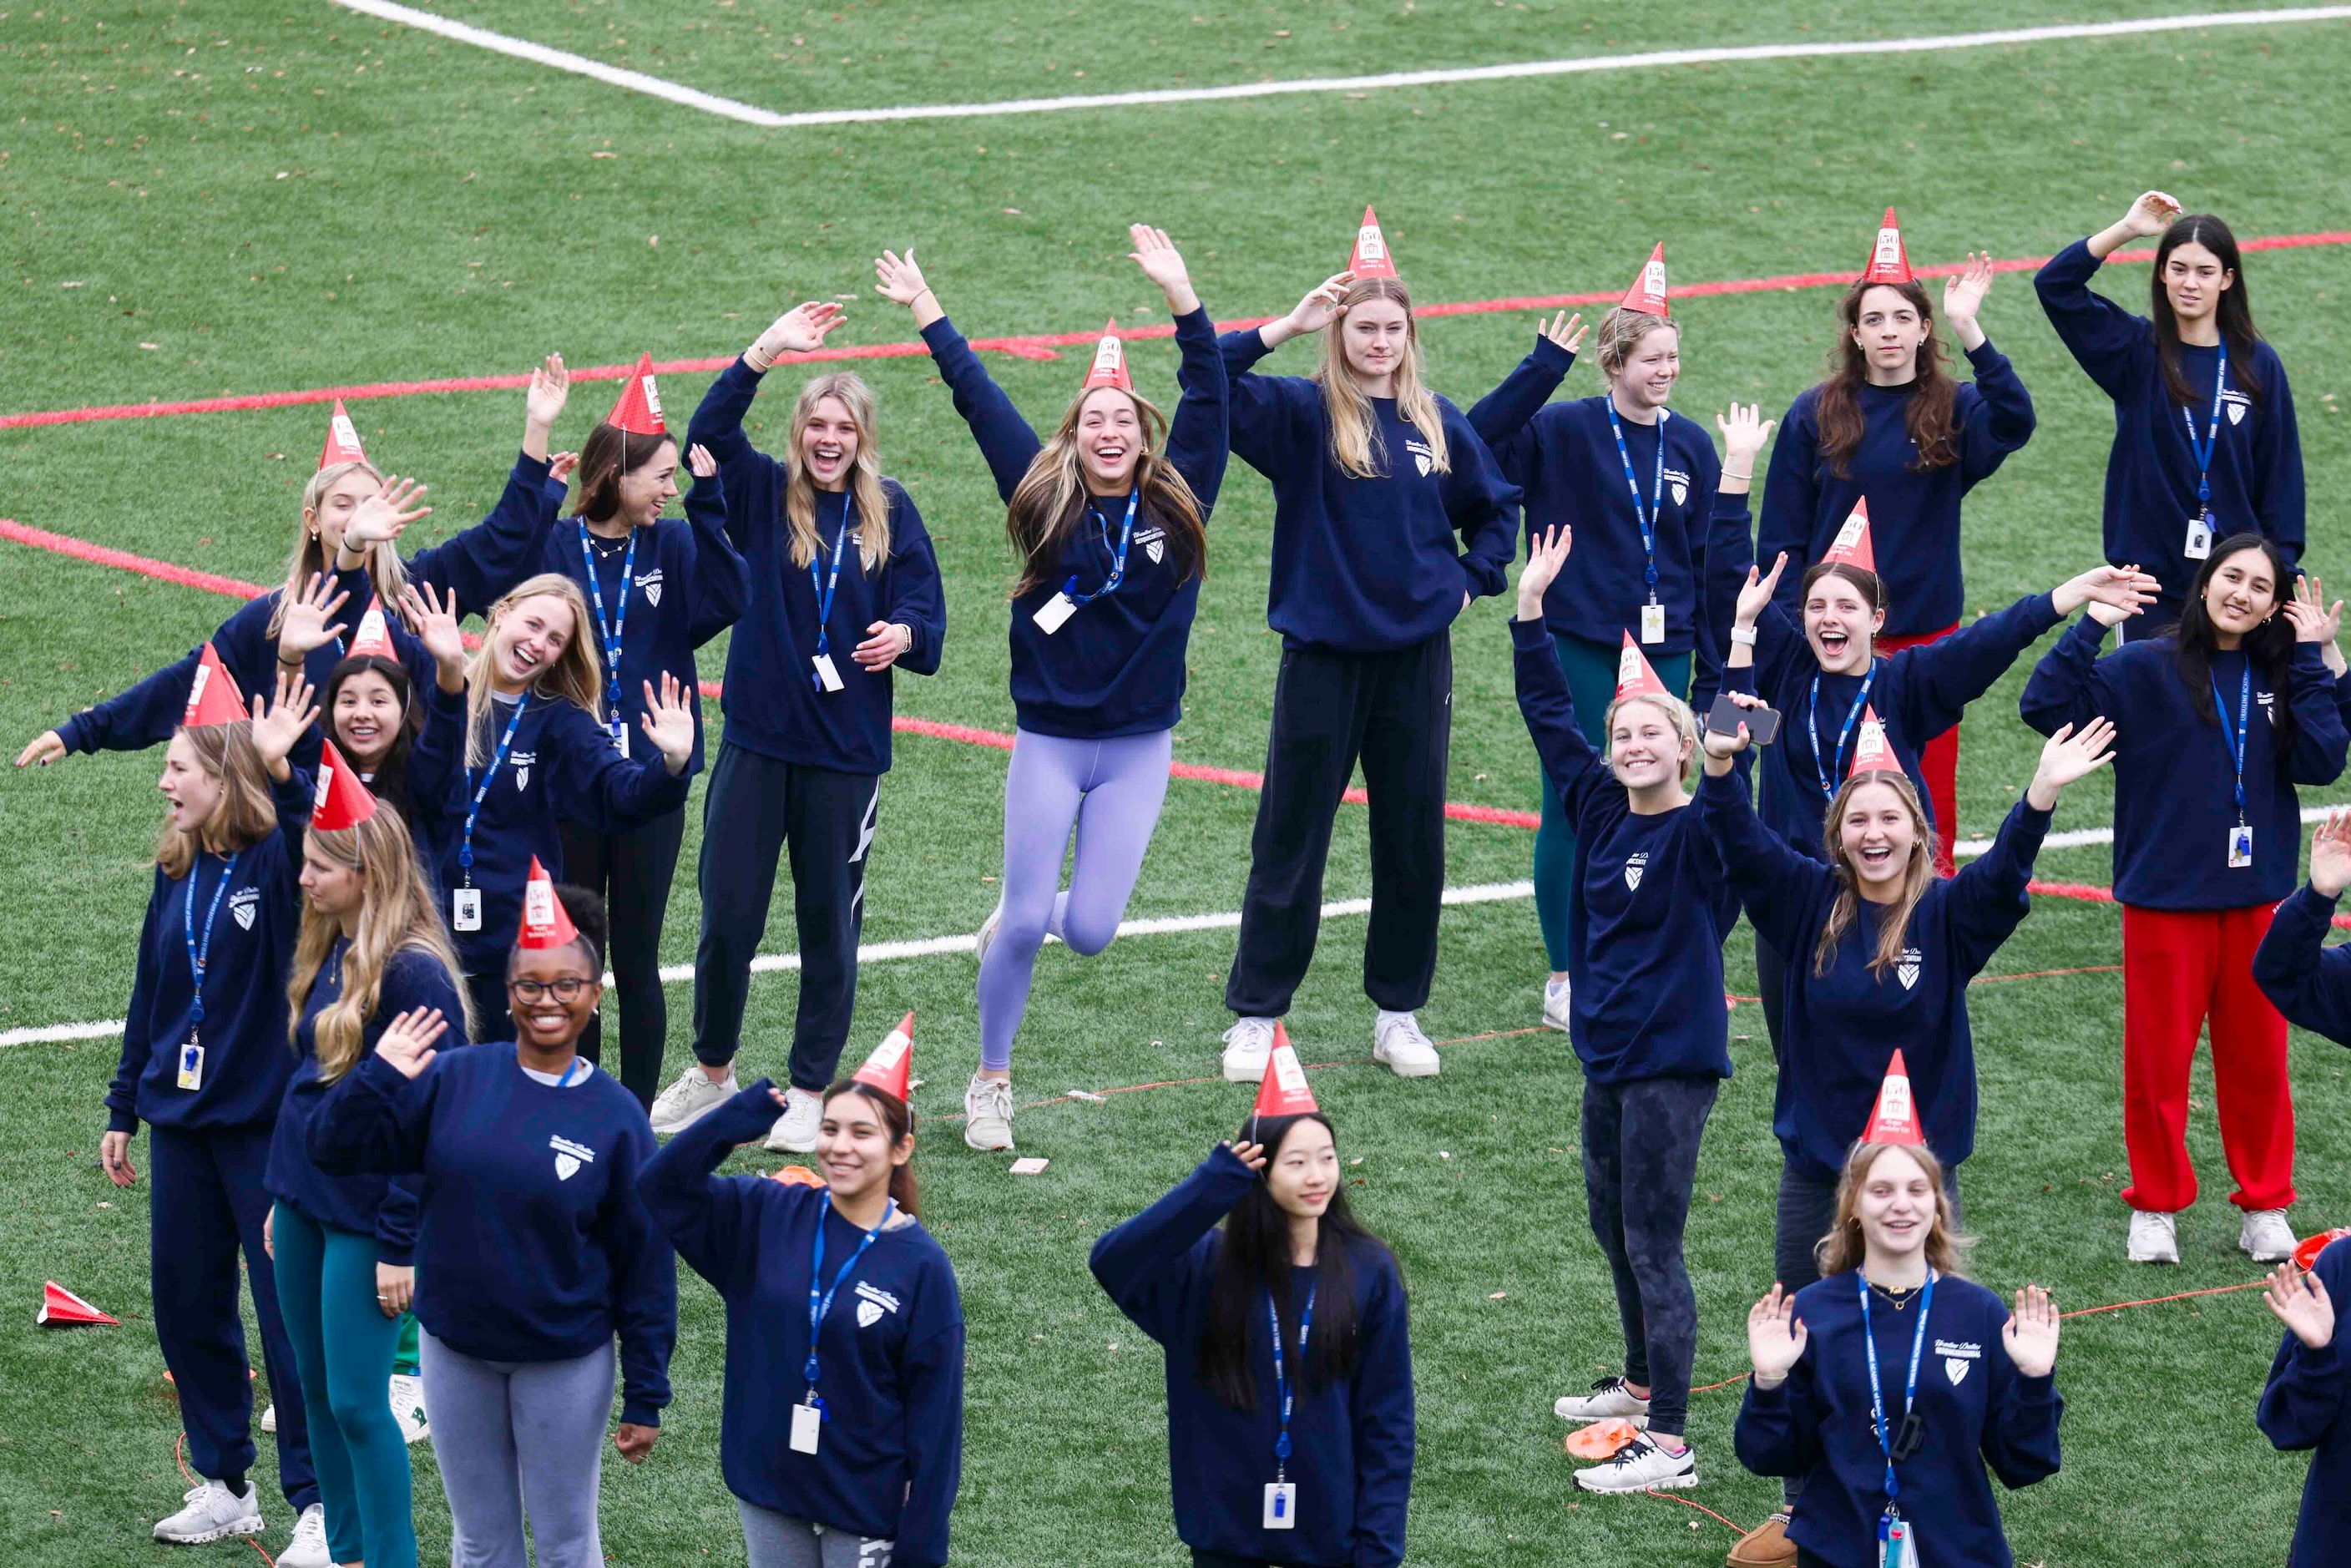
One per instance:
(1608, 1400)
(308, 1547)
(213, 1511)
(1397, 1040)
(988, 1113)
(795, 1131)
(2265, 1236)
(1642, 1465)
(1248, 1044)
(691, 1098)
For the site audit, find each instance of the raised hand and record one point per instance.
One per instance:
(1722, 748)
(1545, 555)
(559, 466)
(2067, 755)
(1744, 432)
(1250, 1155)
(2030, 1335)
(277, 726)
(669, 722)
(44, 749)
(1164, 265)
(2308, 590)
(1565, 331)
(2301, 1303)
(886, 643)
(799, 330)
(1775, 1336)
(308, 622)
(2330, 855)
(2123, 590)
(1757, 594)
(1320, 307)
(699, 462)
(380, 518)
(2152, 213)
(542, 405)
(900, 281)
(407, 1041)
(1963, 297)
(435, 623)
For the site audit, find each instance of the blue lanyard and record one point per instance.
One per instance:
(2204, 449)
(1645, 516)
(198, 956)
(824, 590)
(610, 633)
(818, 1305)
(1280, 1372)
(1118, 556)
(466, 850)
(2235, 740)
(1910, 1393)
(1844, 733)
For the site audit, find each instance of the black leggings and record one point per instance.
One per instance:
(632, 871)
(1640, 1161)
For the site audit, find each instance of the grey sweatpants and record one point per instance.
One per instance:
(515, 1435)
(773, 1539)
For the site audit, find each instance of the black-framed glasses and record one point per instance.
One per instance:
(566, 990)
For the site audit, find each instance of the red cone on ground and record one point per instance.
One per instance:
(2305, 1257)
(891, 1067)
(213, 697)
(1109, 362)
(60, 1308)
(545, 922)
(1647, 294)
(342, 440)
(639, 410)
(1895, 1118)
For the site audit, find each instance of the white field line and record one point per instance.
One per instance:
(2073, 838)
(885, 952)
(710, 103)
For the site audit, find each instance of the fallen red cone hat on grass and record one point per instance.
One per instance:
(2305, 1257)
(891, 1066)
(60, 1308)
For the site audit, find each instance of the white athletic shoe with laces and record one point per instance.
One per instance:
(2265, 1237)
(986, 936)
(1397, 1040)
(2155, 1238)
(408, 1406)
(308, 1547)
(213, 1511)
(1642, 1465)
(795, 1131)
(1609, 1400)
(1555, 1013)
(269, 1419)
(988, 1113)
(691, 1098)
(1247, 1045)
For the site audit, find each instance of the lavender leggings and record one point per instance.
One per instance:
(1110, 790)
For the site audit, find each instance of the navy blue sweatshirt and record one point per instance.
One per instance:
(1917, 694)
(367, 1204)
(532, 1241)
(1842, 1028)
(1914, 512)
(1367, 566)
(2307, 982)
(2302, 1409)
(688, 586)
(890, 1455)
(1351, 1442)
(1652, 906)
(246, 1063)
(480, 564)
(2176, 777)
(1979, 1412)
(1117, 667)
(2151, 473)
(1564, 457)
(771, 702)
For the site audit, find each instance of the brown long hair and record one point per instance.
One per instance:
(311, 557)
(2234, 309)
(1355, 444)
(1931, 412)
(604, 457)
(898, 1117)
(577, 676)
(1843, 1252)
(397, 913)
(247, 813)
(1049, 503)
(865, 473)
(1894, 927)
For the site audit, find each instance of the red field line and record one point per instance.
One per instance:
(1034, 346)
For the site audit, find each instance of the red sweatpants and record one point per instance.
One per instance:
(1938, 760)
(2180, 967)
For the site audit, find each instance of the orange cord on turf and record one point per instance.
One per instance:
(179, 1452)
(1669, 1496)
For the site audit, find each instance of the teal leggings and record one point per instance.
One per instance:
(343, 1347)
(1591, 671)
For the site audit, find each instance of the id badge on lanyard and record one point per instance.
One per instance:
(465, 911)
(1897, 1540)
(826, 674)
(1653, 623)
(2201, 524)
(1647, 515)
(1055, 612)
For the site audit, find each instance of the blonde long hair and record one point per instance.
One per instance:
(1677, 715)
(1894, 927)
(397, 913)
(246, 813)
(866, 472)
(311, 557)
(1843, 1250)
(1355, 444)
(1049, 503)
(575, 676)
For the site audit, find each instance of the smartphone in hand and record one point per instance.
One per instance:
(1727, 715)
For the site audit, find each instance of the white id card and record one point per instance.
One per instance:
(1900, 1547)
(2199, 539)
(1652, 624)
(2241, 847)
(1053, 613)
(807, 1419)
(466, 913)
(1281, 1505)
(827, 677)
(191, 1066)
(621, 738)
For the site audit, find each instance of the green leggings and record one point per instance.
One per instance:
(1591, 671)
(343, 1348)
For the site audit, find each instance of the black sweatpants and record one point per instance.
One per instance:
(757, 808)
(1395, 712)
(632, 871)
(1640, 1161)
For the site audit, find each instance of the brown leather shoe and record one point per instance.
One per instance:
(1765, 1546)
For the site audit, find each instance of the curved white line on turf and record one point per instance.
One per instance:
(710, 103)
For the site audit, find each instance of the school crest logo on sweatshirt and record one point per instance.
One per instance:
(569, 1156)
(242, 905)
(1422, 455)
(872, 1303)
(2236, 402)
(1154, 544)
(1678, 484)
(651, 583)
(1957, 1358)
(1634, 866)
(1908, 971)
(522, 762)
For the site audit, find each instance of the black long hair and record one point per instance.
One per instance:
(2234, 309)
(390, 784)
(1255, 1259)
(2269, 647)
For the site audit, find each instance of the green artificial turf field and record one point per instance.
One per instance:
(266, 194)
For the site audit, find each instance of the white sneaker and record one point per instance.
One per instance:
(2265, 1237)
(2155, 1238)
(691, 1098)
(269, 1419)
(795, 1131)
(1555, 1013)
(988, 927)
(1397, 1039)
(408, 1406)
(212, 1512)
(1609, 1400)
(1640, 1466)
(988, 1113)
(308, 1547)
(1247, 1045)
